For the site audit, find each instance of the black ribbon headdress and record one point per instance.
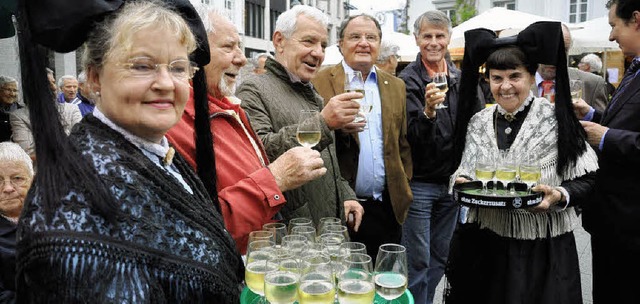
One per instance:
(63, 26)
(542, 42)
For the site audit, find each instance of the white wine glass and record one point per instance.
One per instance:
(485, 170)
(325, 221)
(299, 221)
(259, 253)
(530, 170)
(440, 79)
(306, 231)
(309, 131)
(279, 231)
(355, 282)
(317, 281)
(353, 247)
(281, 283)
(391, 271)
(353, 82)
(506, 169)
(576, 87)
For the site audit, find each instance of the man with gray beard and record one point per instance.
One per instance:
(249, 187)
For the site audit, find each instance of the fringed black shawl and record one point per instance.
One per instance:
(168, 246)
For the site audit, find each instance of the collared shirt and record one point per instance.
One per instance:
(75, 100)
(370, 180)
(432, 72)
(539, 81)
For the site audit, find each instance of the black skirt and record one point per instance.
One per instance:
(484, 267)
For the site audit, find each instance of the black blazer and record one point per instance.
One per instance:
(615, 208)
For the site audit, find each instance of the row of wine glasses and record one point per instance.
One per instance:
(328, 270)
(507, 168)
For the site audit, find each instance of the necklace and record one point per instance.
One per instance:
(511, 116)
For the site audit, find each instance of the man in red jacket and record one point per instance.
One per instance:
(249, 187)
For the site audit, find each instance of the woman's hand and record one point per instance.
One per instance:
(461, 179)
(552, 196)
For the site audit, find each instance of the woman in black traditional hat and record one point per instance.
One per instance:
(113, 215)
(517, 256)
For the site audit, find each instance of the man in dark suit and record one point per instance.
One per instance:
(377, 160)
(613, 216)
(595, 88)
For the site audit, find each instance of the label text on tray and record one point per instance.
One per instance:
(474, 201)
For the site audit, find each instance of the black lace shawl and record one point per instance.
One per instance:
(168, 246)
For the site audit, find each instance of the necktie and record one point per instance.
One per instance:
(547, 90)
(628, 76)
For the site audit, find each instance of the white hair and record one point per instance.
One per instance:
(286, 23)
(594, 62)
(207, 11)
(82, 77)
(7, 79)
(11, 152)
(387, 49)
(63, 78)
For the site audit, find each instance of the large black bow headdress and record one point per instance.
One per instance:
(63, 26)
(543, 43)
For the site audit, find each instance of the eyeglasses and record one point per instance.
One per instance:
(356, 37)
(16, 181)
(145, 67)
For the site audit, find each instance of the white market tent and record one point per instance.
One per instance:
(407, 43)
(592, 36)
(496, 19)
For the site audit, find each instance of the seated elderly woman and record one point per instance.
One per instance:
(522, 255)
(16, 171)
(114, 216)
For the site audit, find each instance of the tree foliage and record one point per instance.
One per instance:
(465, 9)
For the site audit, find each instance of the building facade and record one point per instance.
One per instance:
(568, 11)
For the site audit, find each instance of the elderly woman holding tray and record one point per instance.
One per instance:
(521, 255)
(114, 216)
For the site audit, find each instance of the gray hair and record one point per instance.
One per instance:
(205, 11)
(594, 62)
(49, 71)
(63, 78)
(254, 60)
(387, 49)
(11, 152)
(287, 21)
(82, 77)
(6, 80)
(435, 18)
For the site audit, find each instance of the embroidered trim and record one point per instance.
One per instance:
(510, 116)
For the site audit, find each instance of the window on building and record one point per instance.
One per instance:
(506, 4)
(577, 11)
(228, 4)
(276, 7)
(254, 18)
(450, 12)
